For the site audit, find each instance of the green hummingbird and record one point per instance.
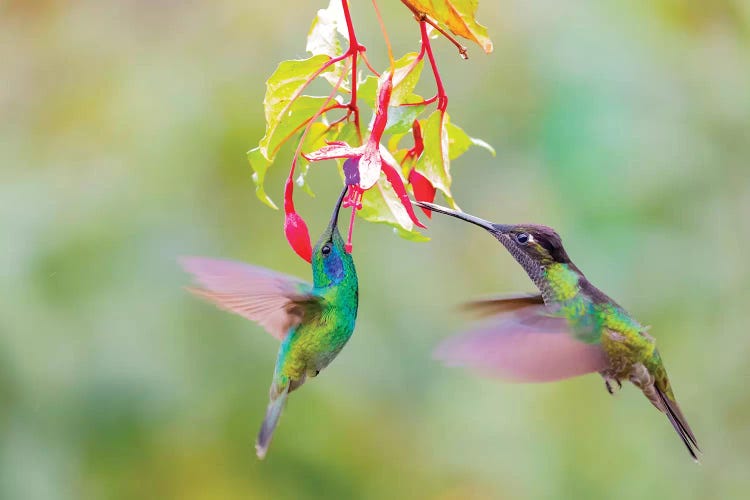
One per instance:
(570, 328)
(313, 321)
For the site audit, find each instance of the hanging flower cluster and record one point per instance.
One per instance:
(379, 172)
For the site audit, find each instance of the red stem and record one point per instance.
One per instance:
(325, 66)
(419, 57)
(354, 49)
(307, 129)
(355, 200)
(426, 102)
(367, 62)
(423, 17)
(353, 52)
(342, 119)
(441, 95)
(289, 186)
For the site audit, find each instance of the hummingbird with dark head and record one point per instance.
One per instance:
(312, 321)
(569, 328)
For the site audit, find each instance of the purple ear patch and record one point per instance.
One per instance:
(333, 266)
(351, 171)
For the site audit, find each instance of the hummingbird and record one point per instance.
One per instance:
(312, 321)
(569, 328)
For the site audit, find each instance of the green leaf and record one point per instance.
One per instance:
(407, 71)
(411, 235)
(484, 145)
(401, 118)
(260, 165)
(393, 143)
(287, 111)
(458, 15)
(327, 31)
(347, 133)
(459, 142)
(434, 163)
(367, 90)
(381, 204)
(316, 138)
(443, 142)
(405, 78)
(294, 119)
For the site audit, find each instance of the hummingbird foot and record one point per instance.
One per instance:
(608, 384)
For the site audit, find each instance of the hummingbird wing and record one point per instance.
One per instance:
(275, 301)
(503, 304)
(530, 344)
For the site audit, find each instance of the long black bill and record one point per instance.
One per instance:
(489, 226)
(337, 209)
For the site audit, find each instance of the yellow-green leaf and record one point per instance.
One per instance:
(459, 142)
(316, 138)
(458, 16)
(401, 118)
(260, 165)
(443, 142)
(434, 163)
(407, 71)
(287, 111)
(381, 204)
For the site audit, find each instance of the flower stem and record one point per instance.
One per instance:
(442, 97)
(367, 62)
(424, 18)
(354, 50)
(385, 35)
(289, 186)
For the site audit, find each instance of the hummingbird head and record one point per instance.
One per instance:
(534, 246)
(331, 262)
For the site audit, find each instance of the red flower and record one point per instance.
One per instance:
(364, 164)
(295, 228)
(421, 185)
(423, 189)
(297, 235)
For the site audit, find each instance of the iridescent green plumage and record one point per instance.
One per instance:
(314, 322)
(312, 344)
(527, 342)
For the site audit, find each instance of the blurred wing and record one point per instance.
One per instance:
(528, 345)
(275, 301)
(503, 304)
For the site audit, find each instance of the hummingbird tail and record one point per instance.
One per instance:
(273, 413)
(678, 421)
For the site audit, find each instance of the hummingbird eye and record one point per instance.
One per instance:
(326, 249)
(522, 238)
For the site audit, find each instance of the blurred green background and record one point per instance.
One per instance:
(626, 125)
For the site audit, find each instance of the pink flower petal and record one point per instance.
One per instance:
(369, 166)
(332, 151)
(394, 177)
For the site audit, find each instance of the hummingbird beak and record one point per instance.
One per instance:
(489, 226)
(336, 210)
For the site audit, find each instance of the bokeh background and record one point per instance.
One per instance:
(626, 125)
